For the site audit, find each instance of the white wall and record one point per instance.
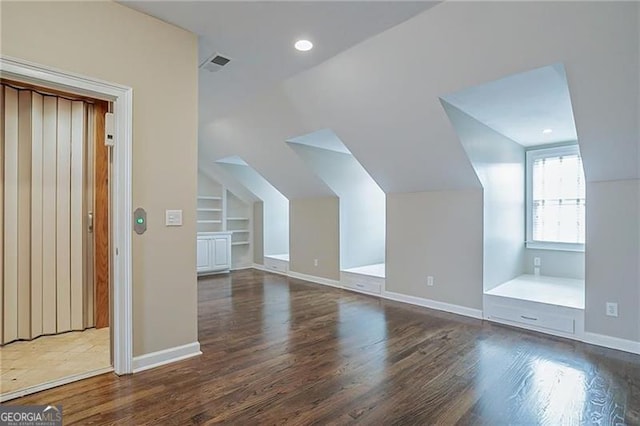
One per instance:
(108, 41)
(315, 236)
(568, 264)
(362, 204)
(389, 112)
(275, 209)
(612, 249)
(436, 233)
(499, 163)
(214, 173)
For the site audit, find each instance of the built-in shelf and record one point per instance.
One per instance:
(237, 218)
(239, 230)
(209, 210)
(209, 197)
(240, 243)
(209, 221)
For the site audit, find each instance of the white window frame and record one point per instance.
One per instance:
(533, 154)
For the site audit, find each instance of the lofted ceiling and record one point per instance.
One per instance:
(259, 38)
(522, 106)
(379, 89)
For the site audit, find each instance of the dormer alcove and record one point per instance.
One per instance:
(274, 217)
(519, 134)
(362, 208)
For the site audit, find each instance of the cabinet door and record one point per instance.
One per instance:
(204, 254)
(220, 258)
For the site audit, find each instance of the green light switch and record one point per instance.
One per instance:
(140, 220)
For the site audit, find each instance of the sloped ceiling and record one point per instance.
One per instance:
(258, 36)
(323, 139)
(522, 106)
(381, 97)
(251, 179)
(258, 134)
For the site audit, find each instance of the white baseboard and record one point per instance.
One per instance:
(265, 269)
(165, 356)
(52, 384)
(612, 342)
(260, 267)
(433, 304)
(591, 338)
(314, 279)
(427, 303)
(241, 267)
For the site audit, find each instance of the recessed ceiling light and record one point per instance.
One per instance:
(547, 131)
(303, 45)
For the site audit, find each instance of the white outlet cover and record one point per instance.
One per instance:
(536, 261)
(612, 309)
(173, 217)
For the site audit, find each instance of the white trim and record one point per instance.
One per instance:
(265, 269)
(611, 342)
(433, 304)
(580, 336)
(314, 279)
(242, 267)
(165, 356)
(389, 295)
(555, 246)
(531, 155)
(260, 267)
(542, 330)
(122, 97)
(53, 384)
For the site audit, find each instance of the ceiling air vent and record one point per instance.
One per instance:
(215, 63)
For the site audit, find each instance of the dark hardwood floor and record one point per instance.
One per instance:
(280, 350)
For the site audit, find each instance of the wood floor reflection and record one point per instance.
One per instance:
(280, 350)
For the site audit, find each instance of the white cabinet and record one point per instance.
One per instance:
(213, 252)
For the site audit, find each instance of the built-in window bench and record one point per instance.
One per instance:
(366, 278)
(277, 262)
(548, 304)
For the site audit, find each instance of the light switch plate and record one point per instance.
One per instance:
(173, 217)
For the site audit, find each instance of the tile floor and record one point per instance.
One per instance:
(48, 358)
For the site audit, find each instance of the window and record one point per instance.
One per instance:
(555, 199)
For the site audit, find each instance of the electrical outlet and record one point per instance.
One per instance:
(315, 262)
(536, 261)
(612, 309)
(430, 281)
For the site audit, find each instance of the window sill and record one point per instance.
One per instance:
(541, 245)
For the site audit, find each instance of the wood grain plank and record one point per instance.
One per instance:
(278, 350)
(101, 220)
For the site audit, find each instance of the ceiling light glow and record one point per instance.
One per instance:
(547, 131)
(303, 45)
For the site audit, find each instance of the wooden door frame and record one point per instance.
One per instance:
(121, 254)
